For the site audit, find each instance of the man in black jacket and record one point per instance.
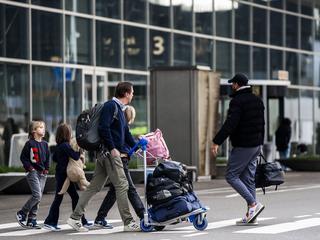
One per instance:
(245, 127)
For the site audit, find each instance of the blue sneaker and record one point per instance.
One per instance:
(21, 217)
(50, 227)
(88, 225)
(32, 223)
(102, 224)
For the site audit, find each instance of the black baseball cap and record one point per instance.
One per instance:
(239, 78)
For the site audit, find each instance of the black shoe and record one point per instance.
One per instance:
(32, 223)
(21, 218)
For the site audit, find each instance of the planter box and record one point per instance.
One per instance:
(301, 164)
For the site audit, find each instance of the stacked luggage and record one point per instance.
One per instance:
(170, 192)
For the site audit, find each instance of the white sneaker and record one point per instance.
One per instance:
(77, 225)
(254, 212)
(132, 227)
(244, 222)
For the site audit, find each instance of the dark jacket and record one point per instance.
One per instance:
(114, 132)
(35, 155)
(245, 120)
(283, 135)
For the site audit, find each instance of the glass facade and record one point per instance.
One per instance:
(60, 57)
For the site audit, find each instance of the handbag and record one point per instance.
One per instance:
(268, 174)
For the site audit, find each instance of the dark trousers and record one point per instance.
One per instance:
(133, 196)
(53, 216)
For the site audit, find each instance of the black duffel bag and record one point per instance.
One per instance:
(268, 174)
(176, 171)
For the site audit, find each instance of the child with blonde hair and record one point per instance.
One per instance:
(35, 157)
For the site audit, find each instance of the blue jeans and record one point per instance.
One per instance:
(241, 170)
(36, 181)
(110, 198)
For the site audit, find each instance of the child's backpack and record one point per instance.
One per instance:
(87, 133)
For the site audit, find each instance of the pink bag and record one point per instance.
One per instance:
(157, 147)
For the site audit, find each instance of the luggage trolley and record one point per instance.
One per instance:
(147, 224)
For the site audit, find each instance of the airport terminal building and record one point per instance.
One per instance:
(59, 57)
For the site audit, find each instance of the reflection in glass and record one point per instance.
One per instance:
(306, 70)
(223, 11)
(291, 31)
(47, 95)
(259, 25)
(134, 47)
(260, 63)
(110, 8)
(307, 7)
(48, 3)
(46, 36)
(306, 34)
(159, 48)
(242, 22)
(316, 70)
(276, 28)
(101, 89)
(182, 50)
(292, 67)
(276, 61)
(204, 51)
(277, 4)
(317, 121)
(108, 44)
(135, 10)
(14, 94)
(242, 59)
(73, 95)
(13, 32)
(182, 14)
(306, 118)
(291, 111)
(78, 40)
(203, 15)
(223, 59)
(292, 5)
(88, 98)
(81, 6)
(159, 12)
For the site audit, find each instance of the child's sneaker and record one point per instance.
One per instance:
(77, 225)
(254, 212)
(102, 224)
(132, 227)
(50, 227)
(32, 223)
(21, 217)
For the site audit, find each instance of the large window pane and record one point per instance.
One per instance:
(159, 12)
(317, 121)
(242, 59)
(204, 51)
(260, 63)
(182, 50)
(306, 118)
(292, 5)
(73, 95)
(223, 11)
(307, 7)
(13, 32)
(292, 67)
(242, 22)
(139, 102)
(135, 10)
(78, 40)
(47, 95)
(110, 8)
(46, 36)
(291, 111)
(108, 44)
(306, 69)
(81, 6)
(276, 28)
(276, 61)
(306, 34)
(159, 48)
(223, 59)
(48, 3)
(259, 25)
(291, 31)
(203, 14)
(134, 47)
(316, 44)
(316, 70)
(182, 10)
(277, 4)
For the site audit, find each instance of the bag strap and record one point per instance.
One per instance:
(261, 157)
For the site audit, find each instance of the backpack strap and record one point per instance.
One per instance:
(115, 111)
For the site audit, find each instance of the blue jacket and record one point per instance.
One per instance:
(114, 132)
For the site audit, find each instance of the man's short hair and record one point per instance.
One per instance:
(122, 88)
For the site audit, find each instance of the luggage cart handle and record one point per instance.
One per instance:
(141, 144)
